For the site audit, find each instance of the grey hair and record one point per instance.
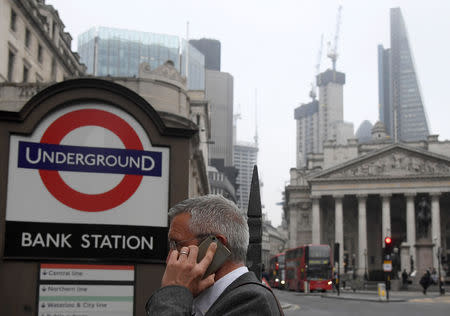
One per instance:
(214, 214)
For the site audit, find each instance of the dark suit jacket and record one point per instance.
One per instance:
(242, 297)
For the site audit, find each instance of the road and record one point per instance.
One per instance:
(317, 305)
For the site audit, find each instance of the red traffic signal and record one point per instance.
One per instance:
(388, 241)
(388, 245)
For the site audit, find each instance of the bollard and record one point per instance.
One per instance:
(382, 291)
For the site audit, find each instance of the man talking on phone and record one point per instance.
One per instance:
(212, 226)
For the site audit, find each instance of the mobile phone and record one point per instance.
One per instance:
(221, 255)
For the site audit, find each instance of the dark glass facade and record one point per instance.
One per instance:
(211, 49)
(401, 107)
(116, 52)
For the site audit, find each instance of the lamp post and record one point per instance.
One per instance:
(441, 290)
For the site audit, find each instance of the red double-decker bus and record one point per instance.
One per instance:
(277, 271)
(309, 263)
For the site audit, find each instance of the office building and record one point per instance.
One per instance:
(364, 132)
(33, 44)
(245, 158)
(307, 121)
(118, 53)
(331, 108)
(219, 93)
(401, 107)
(322, 120)
(210, 48)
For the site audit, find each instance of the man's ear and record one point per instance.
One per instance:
(222, 239)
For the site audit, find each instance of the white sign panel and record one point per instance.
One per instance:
(115, 296)
(89, 300)
(90, 164)
(82, 272)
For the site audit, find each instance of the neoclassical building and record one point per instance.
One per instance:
(357, 194)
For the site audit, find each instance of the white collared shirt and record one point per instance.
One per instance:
(204, 301)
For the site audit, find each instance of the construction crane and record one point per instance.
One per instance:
(332, 50)
(313, 92)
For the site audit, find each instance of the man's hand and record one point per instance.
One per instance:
(182, 269)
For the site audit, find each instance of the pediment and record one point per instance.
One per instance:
(395, 161)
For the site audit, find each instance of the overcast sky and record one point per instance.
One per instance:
(271, 47)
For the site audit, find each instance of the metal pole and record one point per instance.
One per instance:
(388, 285)
(441, 290)
(338, 279)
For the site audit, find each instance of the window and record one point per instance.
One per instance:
(53, 30)
(13, 21)
(11, 59)
(39, 53)
(27, 38)
(26, 72)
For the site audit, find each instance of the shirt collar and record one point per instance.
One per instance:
(204, 301)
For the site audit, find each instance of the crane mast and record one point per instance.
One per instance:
(332, 50)
(313, 92)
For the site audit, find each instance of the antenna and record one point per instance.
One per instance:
(187, 51)
(313, 92)
(332, 51)
(256, 118)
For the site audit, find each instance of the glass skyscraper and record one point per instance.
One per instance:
(116, 52)
(245, 158)
(401, 108)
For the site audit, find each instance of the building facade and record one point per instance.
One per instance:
(331, 108)
(118, 53)
(219, 93)
(33, 44)
(322, 120)
(307, 122)
(220, 184)
(245, 158)
(211, 49)
(401, 107)
(273, 242)
(357, 194)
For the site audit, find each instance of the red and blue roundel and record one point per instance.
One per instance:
(50, 157)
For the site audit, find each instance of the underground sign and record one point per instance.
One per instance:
(87, 183)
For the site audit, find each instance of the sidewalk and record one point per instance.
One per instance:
(372, 296)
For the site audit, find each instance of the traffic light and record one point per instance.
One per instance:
(387, 245)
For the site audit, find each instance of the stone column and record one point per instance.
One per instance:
(316, 220)
(339, 229)
(362, 234)
(435, 226)
(410, 230)
(293, 224)
(386, 217)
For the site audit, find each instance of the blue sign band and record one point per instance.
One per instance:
(89, 159)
